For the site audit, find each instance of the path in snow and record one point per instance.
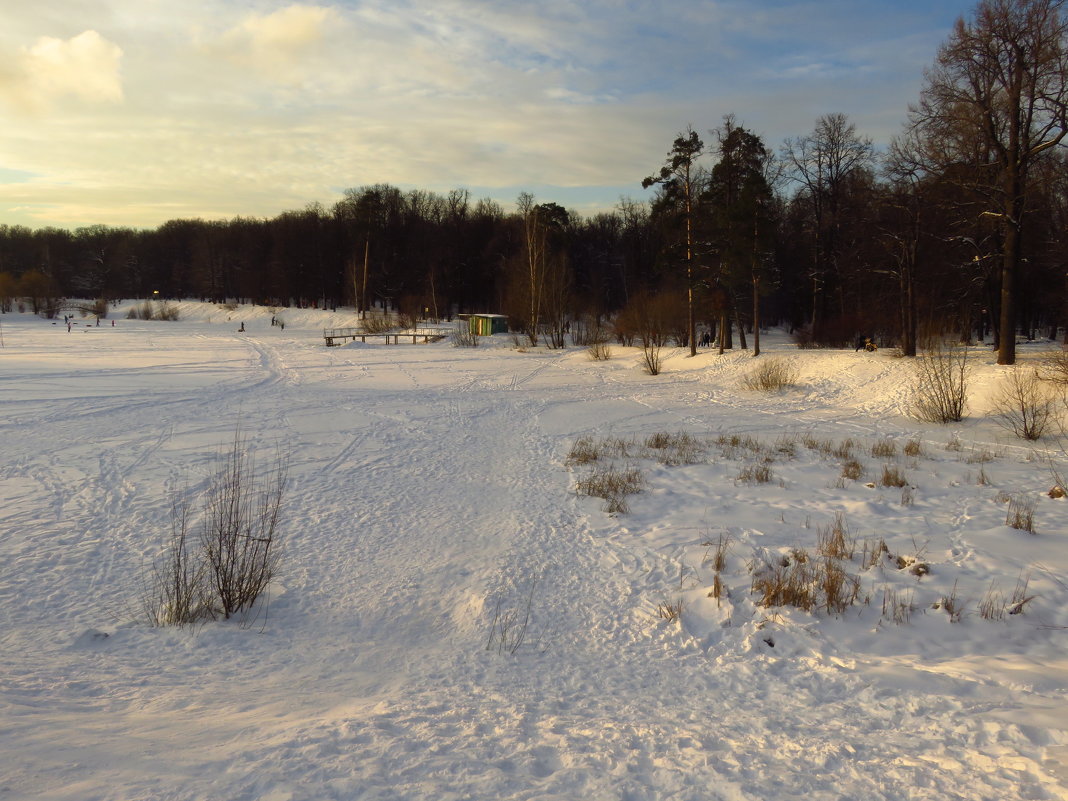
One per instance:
(427, 485)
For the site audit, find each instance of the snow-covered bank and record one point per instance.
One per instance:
(431, 491)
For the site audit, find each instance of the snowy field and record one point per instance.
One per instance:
(433, 489)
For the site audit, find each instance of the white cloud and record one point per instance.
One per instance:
(85, 67)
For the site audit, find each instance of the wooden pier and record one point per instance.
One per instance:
(335, 336)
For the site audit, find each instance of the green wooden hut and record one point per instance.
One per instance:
(485, 324)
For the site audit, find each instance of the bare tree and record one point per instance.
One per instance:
(822, 163)
(996, 99)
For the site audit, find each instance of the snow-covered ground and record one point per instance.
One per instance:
(432, 492)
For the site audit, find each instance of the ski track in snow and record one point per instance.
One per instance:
(428, 491)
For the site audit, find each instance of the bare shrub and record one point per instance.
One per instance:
(508, 628)
(167, 311)
(1021, 513)
(913, 448)
(464, 335)
(600, 351)
(377, 323)
(892, 477)
(940, 388)
(651, 358)
(242, 508)
(1055, 367)
(1024, 404)
(771, 375)
(174, 591)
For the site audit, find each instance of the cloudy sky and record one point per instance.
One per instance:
(133, 112)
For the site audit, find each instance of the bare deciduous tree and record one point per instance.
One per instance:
(997, 98)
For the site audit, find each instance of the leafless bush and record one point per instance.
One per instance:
(174, 591)
(464, 336)
(147, 310)
(940, 390)
(242, 508)
(1024, 404)
(1055, 367)
(651, 357)
(1021, 513)
(771, 375)
(377, 323)
(167, 311)
(509, 626)
(600, 351)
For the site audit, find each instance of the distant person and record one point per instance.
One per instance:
(241, 330)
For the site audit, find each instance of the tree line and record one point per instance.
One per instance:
(958, 226)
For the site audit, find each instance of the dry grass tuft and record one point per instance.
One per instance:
(852, 469)
(771, 375)
(835, 542)
(897, 608)
(892, 477)
(669, 612)
(1021, 513)
(755, 473)
(805, 583)
(884, 449)
(992, 606)
(584, 451)
(613, 486)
